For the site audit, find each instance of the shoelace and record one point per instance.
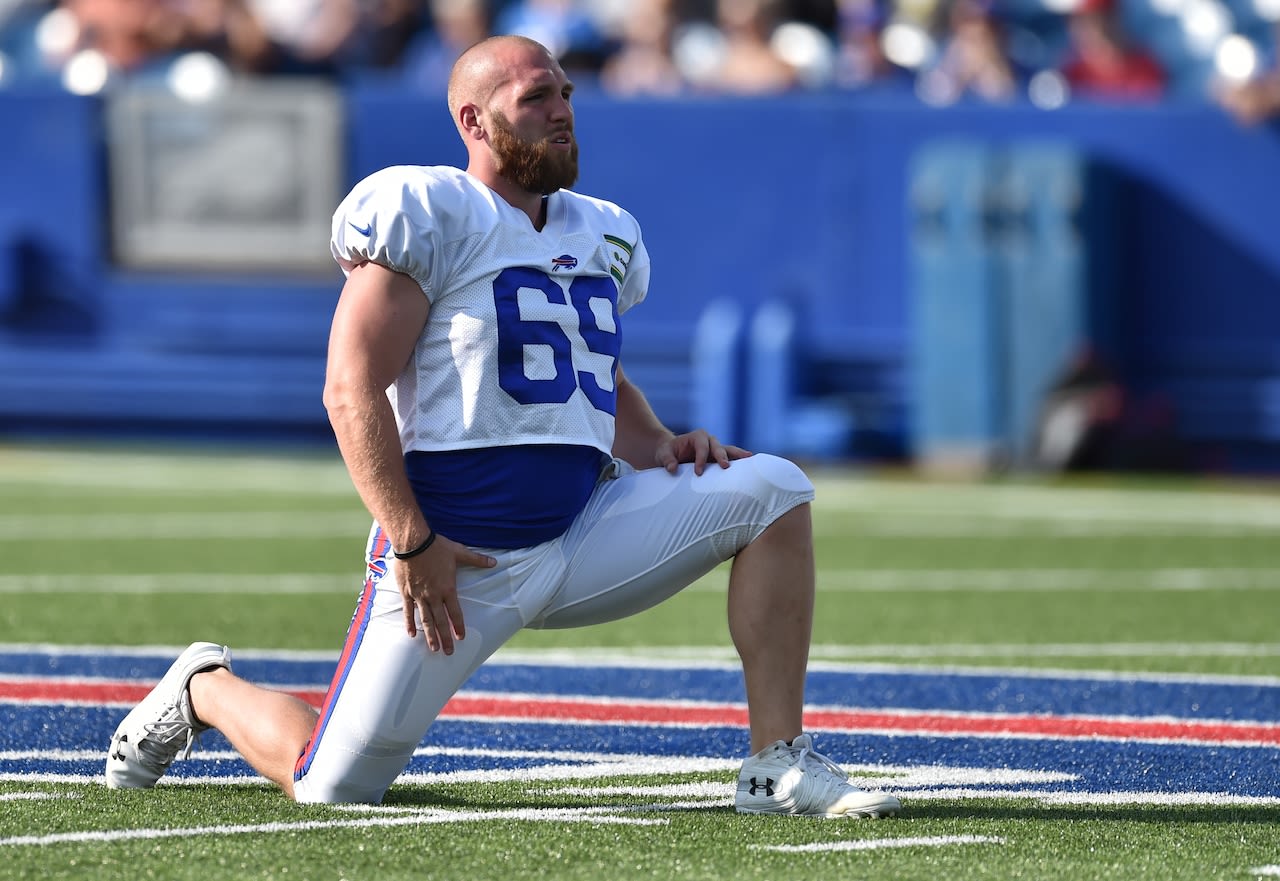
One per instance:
(824, 763)
(161, 738)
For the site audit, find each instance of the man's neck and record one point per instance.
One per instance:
(532, 204)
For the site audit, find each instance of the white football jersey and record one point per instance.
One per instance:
(523, 339)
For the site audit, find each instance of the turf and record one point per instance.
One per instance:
(1006, 839)
(263, 549)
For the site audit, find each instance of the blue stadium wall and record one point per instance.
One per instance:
(841, 276)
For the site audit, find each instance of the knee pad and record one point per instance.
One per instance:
(768, 486)
(778, 483)
(782, 474)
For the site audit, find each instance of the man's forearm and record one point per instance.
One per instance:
(637, 429)
(370, 445)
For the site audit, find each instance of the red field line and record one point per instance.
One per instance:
(478, 706)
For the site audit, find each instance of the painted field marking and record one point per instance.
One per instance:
(181, 582)
(974, 524)
(35, 796)
(52, 755)
(879, 843)
(1039, 580)
(1031, 580)
(1059, 798)
(178, 525)
(1056, 650)
(1180, 580)
(899, 778)
(551, 773)
(1187, 579)
(924, 783)
(1016, 502)
(590, 710)
(1266, 871)
(838, 490)
(354, 522)
(112, 471)
(601, 816)
(705, 791)
(823, 658)
(260, 524)
(579, 766)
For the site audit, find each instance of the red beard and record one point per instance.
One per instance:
(532, 165)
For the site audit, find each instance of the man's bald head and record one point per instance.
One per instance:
(480, 70)
(510, 101)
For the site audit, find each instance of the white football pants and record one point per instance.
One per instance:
(643, 536)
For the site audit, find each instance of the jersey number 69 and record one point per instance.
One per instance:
(515, 333)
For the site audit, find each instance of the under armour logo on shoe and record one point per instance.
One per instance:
(118, 755)
(767, 786)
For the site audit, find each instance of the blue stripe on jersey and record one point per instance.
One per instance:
(504, 497)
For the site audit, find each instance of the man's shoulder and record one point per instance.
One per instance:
(595, 207)
(433, 194)
(592, 203)
(417, 178)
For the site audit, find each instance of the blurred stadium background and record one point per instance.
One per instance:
(939, 234)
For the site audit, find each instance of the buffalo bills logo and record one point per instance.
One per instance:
(564, 261)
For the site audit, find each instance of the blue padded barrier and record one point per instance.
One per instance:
(956, 333)
(1041, 280)
(1002, 298)
(783, 413)
(658, 358)
(716, 355)
(771, 379)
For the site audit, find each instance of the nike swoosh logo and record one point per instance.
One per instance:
(363, 230)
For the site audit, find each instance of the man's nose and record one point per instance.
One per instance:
(562, 110)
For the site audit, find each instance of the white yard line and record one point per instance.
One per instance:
(183, 583)
(418, 818)
(146, 525)
(1035, 580)
(36, 796)
(918, 784)
(879, 843)
(834, 658)
(1051, 650)
(1051, 503)
(980, 526)
(111, 473)
(1179, 580)
(311, 474)
(1030, 580)
(177, 525)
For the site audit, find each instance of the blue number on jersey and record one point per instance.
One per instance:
(514, 333)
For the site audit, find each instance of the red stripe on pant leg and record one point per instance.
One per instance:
(355, 636)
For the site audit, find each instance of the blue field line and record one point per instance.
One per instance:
(861, 687)
(1094, 766)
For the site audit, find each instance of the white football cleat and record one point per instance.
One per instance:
(794, 779)
(162, 725)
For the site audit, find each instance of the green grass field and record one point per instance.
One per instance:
(135, 547)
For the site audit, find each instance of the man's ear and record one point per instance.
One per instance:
(469, 117)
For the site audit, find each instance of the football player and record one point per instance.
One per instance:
(515, 477)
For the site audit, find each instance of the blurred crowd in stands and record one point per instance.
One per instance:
(1047, 52)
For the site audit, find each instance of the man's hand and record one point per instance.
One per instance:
(429, 584)
(697, 447)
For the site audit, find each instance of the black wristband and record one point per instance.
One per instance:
(413, 552)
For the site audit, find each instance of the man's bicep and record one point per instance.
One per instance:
(377, 324)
